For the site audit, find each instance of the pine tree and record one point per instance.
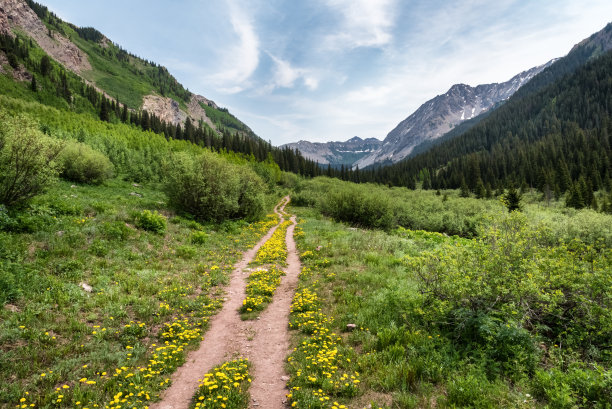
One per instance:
(33, 85)
(512, 200)
(464, 189)
(104, 110)
(574, 197)
(45, 65)
(481, 191)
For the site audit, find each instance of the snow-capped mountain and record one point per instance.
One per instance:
(439, 115)
(337, 153)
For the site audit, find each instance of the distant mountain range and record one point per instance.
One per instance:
(337, 153)
(441, 114)
(432, 120)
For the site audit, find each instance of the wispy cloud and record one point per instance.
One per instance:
(240, 60)
(365, 23)
(286, 76)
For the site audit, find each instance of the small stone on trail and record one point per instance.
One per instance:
(351, 327)
(86, 287)
(284, 378)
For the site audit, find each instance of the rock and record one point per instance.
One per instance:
(136, 185)
(11, 307)
(135, 194)
(86, 287)
(60, 233)
(284, 378)
(351, 327)
(73, 186)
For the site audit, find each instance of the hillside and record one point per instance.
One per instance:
(122, 76)
(56, 64)
(438, 116)
(553, 136)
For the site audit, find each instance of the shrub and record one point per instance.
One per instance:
(151, 221)
(27, 159)
(80, 163)
(358, 205)
(199, 237)
(212, 189)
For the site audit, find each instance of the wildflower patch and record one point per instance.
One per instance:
(225, 386)
(320, 365)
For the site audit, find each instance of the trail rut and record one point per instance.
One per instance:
(265, 341)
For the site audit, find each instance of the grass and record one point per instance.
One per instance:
(97, 307)
(406, 357)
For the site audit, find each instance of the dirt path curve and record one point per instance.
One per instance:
(264, 341)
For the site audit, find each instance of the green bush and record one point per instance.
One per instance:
(80, 163)
(358, 205)
(490, 291)
(199, 237)
(212, 189)
(151, 221)
(576, 386)
(116, 230)
(27, 159)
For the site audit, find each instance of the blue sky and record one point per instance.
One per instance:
(324, 70)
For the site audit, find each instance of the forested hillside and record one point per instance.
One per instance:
(552, 140)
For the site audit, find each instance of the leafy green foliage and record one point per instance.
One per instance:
(513, 318)
(199, 237)
(81, 163)
(211, 189)
(151, 221)
(359, 205)
(27, 158)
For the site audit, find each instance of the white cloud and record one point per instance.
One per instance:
(285, 75)
(239, 61)
(365, 23)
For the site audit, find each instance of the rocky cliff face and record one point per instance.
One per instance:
(442, 113)
(337, 153)
(17, 14)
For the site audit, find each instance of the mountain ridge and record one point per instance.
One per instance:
(442, 113)
(336, 152)
(84, 54)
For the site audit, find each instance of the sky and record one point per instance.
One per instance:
(323, 70)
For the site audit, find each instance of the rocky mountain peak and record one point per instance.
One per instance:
(442, 113)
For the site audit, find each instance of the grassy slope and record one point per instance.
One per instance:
(55, 333)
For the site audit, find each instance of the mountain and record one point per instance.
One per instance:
(47, 63)
(119, 75)
(554, 134)
(441, 114)
(336, 153)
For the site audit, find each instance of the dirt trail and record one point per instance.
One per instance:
(265, 342)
